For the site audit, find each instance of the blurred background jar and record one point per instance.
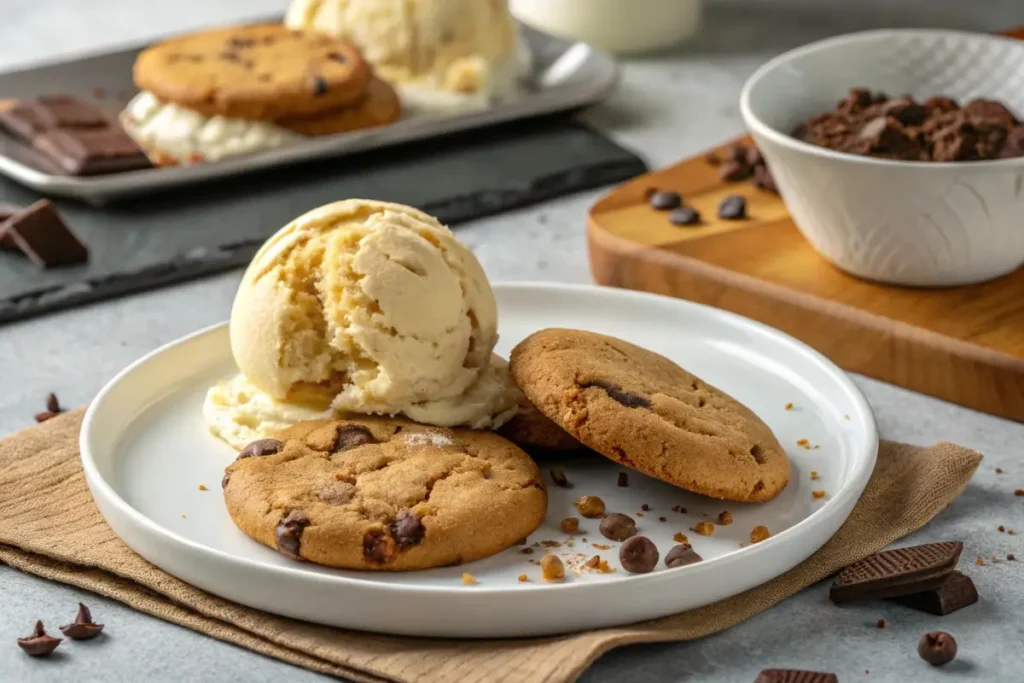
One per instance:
(621, 26)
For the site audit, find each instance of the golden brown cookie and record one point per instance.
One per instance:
(263, 72)
(535, 433)
(379, 106)
(644, 411)
(380, 494)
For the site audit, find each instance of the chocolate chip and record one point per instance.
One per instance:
(666, 200)
(1014, 144)
(682, 555)
(940, 104)
(937, 648)
(625, 398)
(733, 208)
(319, 86)
(734, 171)
(764, 180)
(684, 216)
(39, 644)
(337, 57)
(623, 479)
(83, 627)
(230, 56)
(260, 448)
(407, 529)
(989, 111)
(289, 532)
(561, 481)
(375, 547)
(638, 555)
(52, 404)
(337, 493)
(44, 416)
(241, 43)
(856, 99)
(225, 479)
(351, 436)
(712, 159)
(618, 527)
(906, 111)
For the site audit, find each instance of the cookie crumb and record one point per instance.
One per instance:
(601, 546)
(645, 507)
(662, 519)
(994, 560)
(570, 525)
(1002, 529)
(551, 568)
(999, 470)
(980, 562)
(759, 533)
(1011, 532)
(561, 481)
(639, 514)
(704, 528)
(814, 476)
(551, 544)
(593, 562)
(817, 446)
(527, 551)
(183, 517)
(468, 579)
(680, 537)
(623, 479)
(818, 494)
(789, 406)
(523, 578)
(203, 488)
(880, 623)
(803, 442)
(590, 506)
(846, 417)
(725, 518)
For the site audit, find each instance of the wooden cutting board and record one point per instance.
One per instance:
(965, 344)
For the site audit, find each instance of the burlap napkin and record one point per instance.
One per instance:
(51, 527)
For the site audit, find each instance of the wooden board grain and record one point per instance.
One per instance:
(965, 344)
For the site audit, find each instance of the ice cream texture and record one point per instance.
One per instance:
(427, 48)
(366, 307)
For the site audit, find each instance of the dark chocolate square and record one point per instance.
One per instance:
(41, 234)
(29, 118)
(91, 152)
(956, 592)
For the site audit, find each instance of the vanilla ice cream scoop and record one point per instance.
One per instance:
(437, 53)
(367, 307)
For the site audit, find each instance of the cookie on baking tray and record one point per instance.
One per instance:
(262, 72)
(645, 412)
(384, 494)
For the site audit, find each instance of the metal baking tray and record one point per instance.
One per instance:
(566, 75)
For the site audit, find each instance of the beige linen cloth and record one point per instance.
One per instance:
(49, 526)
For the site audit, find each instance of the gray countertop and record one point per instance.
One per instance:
(667, 107)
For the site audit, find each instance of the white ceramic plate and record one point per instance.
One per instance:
(145, 451)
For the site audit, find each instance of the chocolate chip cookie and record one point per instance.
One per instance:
(261, 72)
(381, 494)
(378, 106)
(645, 412)
(535, 433)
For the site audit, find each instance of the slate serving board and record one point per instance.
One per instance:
(197, 231)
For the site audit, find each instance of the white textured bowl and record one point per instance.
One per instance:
(907, 223)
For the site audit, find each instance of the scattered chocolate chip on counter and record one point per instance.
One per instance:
(638, 555)
(561, 481)
(733, 208)
(665, 200)
(590, 506)
(682, 555)
(618, 527)
(551, 568)
(83, 627)
(902, 129)
(937, 648)
(52, 404)
(880, 623)
(623, 479)
(684, 216)
(38, 644)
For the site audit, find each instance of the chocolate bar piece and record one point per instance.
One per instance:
(956, 592)
(27, 119)
(893, 573)
(41, 234)
(91, 152)
(795, 676)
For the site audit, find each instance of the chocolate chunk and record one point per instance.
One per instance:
(684, 216)
(682, 555)
(764, 180)
(289, 532)
(894, 573)
(83, 628)
(561, 481)
(712, 159)
(734, 171)
(665, 200)
(623, 479)
(225, 479)
(937, 648)
(376, 547)
(906, 111)
(408, 529)
(351, 436)
(337, 493)
(29, 118)
(638, 555)
(625, 398)
(618, 527)
(733, 208)
(91, 152)
(754, 157)
(260, 448)
(52, 404)
(958, 142)
(737, 153)
(794, 676)
(956, 592)
(39, 644)
(44, 416)
(941, 105)
(1013, 146)
(991, 112)
(856, 99)
(41, 234)
(319, 86)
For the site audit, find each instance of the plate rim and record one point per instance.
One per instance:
(853, 488)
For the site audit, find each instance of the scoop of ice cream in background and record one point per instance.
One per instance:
(365, 307)
(439, 54)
